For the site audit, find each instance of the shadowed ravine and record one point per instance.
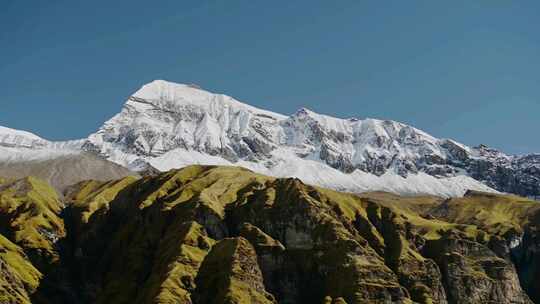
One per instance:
(206, 234)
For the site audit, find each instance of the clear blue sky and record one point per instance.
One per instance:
(468, 70)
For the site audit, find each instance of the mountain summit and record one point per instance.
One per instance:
(165, 125)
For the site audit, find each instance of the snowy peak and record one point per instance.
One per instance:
(160, 90)
(305, 112)
(171, 96)
(164, 116)
(17, 138)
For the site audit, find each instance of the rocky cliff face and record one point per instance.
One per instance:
(207, 234)
(528, 263)
(511, 174)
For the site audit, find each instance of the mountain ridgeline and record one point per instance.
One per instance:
(166, 125)
(223, 234)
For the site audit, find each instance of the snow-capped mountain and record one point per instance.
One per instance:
(166, 125)
(16, 138)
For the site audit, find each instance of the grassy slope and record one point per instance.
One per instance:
(497, 214)
(30, 211)
(18, 277)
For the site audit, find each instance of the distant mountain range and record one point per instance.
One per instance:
(166, 125)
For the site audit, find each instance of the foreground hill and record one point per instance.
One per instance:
(207, 234)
